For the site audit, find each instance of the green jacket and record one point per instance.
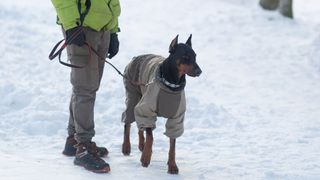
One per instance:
(102, 14)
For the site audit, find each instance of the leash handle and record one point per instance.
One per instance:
(53, 54)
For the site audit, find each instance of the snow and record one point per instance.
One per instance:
(252, 114)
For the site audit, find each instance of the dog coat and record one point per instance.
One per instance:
(145, 103)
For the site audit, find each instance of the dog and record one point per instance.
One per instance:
(155, 87)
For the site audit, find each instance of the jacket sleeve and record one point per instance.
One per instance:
(145, 116)
(145, 110)
(67, 11)
(116, 11)
(175, 126)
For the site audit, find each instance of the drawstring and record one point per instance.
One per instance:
(63, 44)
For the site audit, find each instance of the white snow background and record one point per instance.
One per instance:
(254, 113)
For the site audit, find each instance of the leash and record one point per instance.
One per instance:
(63, 44)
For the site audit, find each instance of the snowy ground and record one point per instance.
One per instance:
(253, 114)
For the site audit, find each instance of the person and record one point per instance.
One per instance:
(94, 23)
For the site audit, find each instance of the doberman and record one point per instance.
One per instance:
(162, 94)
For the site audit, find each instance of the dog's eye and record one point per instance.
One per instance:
(186, 60)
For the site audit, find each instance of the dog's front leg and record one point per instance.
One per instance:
(147, 149)
(141, 140)
(126, 146)
(172, 166)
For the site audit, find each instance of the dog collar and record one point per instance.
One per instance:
(167, 83)
(173, 87)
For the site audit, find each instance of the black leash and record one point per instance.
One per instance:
(116, 69)
(63, 44)
(103, 59)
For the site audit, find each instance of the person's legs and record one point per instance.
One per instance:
(85, 83)
(99, 41)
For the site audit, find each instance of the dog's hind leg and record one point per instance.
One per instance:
(172, 166)
(141, 140)
(126, 146)
(147, 149)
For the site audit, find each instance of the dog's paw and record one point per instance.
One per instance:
(144, 162)
(126, 148)
(145, 159)
(173, 168)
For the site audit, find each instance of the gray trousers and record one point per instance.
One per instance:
(85, 83)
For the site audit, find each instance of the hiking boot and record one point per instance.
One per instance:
(87, 157)
(70, 149)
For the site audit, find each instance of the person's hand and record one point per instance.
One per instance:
(75, 36)
(113, 46)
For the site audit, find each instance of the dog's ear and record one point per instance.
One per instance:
(189, 40)
(173, 44)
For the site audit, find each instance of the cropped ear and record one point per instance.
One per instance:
(189, 40)
(173, 44)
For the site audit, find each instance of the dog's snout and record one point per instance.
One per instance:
(198, 71)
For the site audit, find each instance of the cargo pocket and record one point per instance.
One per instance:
(78, 56)
(88, 76)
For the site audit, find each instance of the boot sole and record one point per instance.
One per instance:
(68, 154)
(74, 154)
(100, 171)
